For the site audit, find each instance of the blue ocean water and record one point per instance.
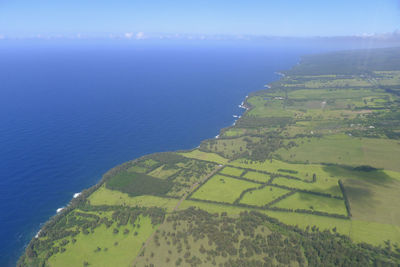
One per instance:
(71, 111)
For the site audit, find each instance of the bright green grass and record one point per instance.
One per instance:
(322, 185)
(232, 171)
(222, 189)
(267, 108)
(324, 94)
(163, 172)
(257, 176)
(197, 154)
(263, 196)
(232, 132)
(122, 254)
(334, 83)
(305, 171)
(105, 196)
(374, 233)
(342, 149)
(306, 201)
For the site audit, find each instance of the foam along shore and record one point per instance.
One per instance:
(60, 209)
(77, 194)
(38, 233)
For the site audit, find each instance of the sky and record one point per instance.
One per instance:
(132, 18)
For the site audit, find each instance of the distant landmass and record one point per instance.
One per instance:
(309, 175)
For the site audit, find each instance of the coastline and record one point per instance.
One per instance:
(85, 193)
(280, 168)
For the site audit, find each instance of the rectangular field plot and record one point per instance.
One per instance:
(232, 171)
(222, 189)
(321, 185)
(263, 196)
(163, 172)
(313, 203)
(257, 176)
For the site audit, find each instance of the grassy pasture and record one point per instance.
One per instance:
(105, 196)
(324, 94)
(261, 197)
(222, 189)
(374, 199)
(163, 172)
(334, 83)
(115, 249)
(267, 108)
(304, 171)
(233, 132)
(322, 185)
(257, 176)
(342, 149)
(197, 154)
(231, 171)
(227, 147)
(312, 202)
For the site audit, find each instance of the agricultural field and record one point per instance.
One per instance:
(320, 185)
(305, 201)
(263, 196)
(232, 171)
(257, 176)
(344, 149)
(221, 188)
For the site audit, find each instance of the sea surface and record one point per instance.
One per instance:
(69, 111)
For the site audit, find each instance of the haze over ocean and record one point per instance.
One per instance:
(69, 112)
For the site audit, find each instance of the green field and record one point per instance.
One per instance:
(232, 171)
(304, 201)
(115, 249)
(163, 172)
(222, 189)
(197, 154)
(104, 196)
(343, 149)
(322, 185)
(263, 196)
(257, 176)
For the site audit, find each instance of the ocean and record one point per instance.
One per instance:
(69, 111)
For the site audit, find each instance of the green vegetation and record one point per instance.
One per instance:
(104, 247)
(221, 188)
(308, 175)
(232, 171)
(304, 201)
(136, 184)
(321, 185)
(257, 176)
(263, 196)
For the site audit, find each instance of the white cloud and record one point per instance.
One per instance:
(140, 35)
(128, 35)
